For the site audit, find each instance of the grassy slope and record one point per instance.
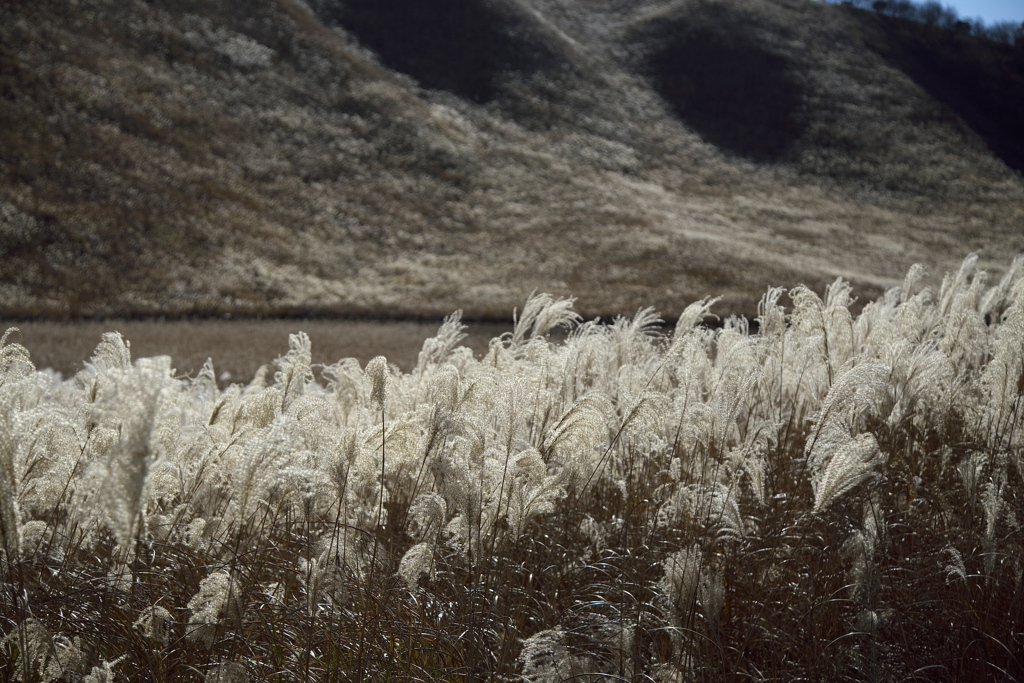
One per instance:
(255, 157)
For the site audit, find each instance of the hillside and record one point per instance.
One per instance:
(407, 158)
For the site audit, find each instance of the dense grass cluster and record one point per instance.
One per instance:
(826, 496)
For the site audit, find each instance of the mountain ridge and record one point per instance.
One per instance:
(261, 158)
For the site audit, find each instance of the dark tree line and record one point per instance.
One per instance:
(933, 13)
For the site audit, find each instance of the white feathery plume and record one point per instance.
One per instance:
(846, 467)
(112, 354)
(1003, 295)
(771, 317)
(541, 314)
(911, 281)
(854, 392)
(15, 366)
(689, 582)
(345, 382)
(531, 491)
(955, 568)
(546, 658)
(295, 370)
(964, 333)
(112, 493)
(417, 562)
(228, 672)
(155, 623)
(104, 673)
(427, 516)
(952, 285)
(49, 657)
(1002, 380)
(218, 599)
(580, 428)
(377, 376)
(256, 467)
(15, 362)
(10, 514)
(692, 316)
(438, 348)
(260, 408)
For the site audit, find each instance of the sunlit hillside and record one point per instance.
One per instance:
(407, 159)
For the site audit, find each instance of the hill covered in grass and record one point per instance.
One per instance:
(410, 158)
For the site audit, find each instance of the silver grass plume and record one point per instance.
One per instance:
(294, 369)
(736, 383)
(690, 581)
(155, 624)
(15, 366)
(718, 508)
(921, 374)
(580, 428)
(104, 673)
(1003, 295)
(771, 317)
(35, 644)
(964, 333)
(971, 470)
(1003, 377)
(44, 460)
(39, 539)
(541, 314)
(438, 348)
(257, 467)
(911, 281)
(445, 420)
(218, 604)
(547, 658)
(681, 579)
(10, 514)
(341, 558)
(641, 419)
(631, 337)
(995, 509)
(952, 285)
(346, 384)
(203, 388)
(692, 316)
(531, 491)
(115, 497)
(837, 462)
(955, 568)
(42, 654)
(417, 562)
(860, 549)
(228, 672)
(260, 408)
(15, 362)
(827, 324)
(847, 466)
(427, 516)
(113, 353)
(377, 376)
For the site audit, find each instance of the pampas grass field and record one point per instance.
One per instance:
(818, 496)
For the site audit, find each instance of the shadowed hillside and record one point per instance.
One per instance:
(723, 81)
(407, 159)
(463, 47)
(978, 80)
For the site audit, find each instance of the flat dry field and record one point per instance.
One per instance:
(237, 347)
